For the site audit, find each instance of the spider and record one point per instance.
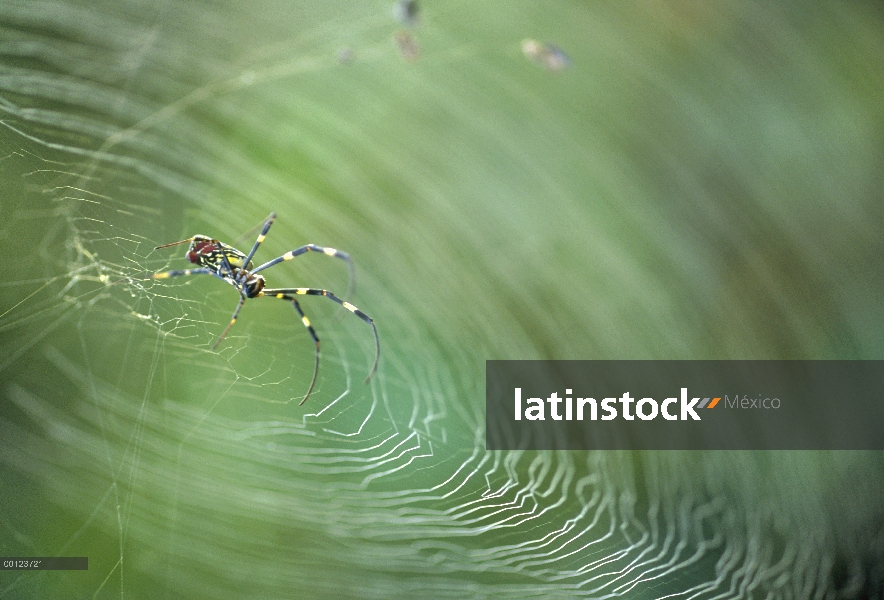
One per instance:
(230, 265)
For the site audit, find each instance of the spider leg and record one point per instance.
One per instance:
(242, 300)
(260, 239)
(312, 331)
(314, 248)
(169, 274)
(289, 293)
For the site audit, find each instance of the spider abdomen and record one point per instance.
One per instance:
(207, 252)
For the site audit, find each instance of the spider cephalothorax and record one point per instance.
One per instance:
(229, 264)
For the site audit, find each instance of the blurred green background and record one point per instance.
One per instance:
(703, 180)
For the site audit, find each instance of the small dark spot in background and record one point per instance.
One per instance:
(409, 49)
(407, 12)
(346, 55)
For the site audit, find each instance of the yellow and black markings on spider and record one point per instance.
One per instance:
(230, 265)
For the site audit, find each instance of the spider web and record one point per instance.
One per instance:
(186, 472)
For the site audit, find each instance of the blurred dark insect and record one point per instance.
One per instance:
(409, 49)
(406, 12)
(549, 56)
